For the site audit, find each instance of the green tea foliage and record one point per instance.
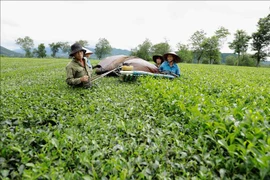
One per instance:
(211, 123)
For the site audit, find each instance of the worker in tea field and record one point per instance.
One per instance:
(169, 66)
(158, 59)
(78, 73)
(87, 56)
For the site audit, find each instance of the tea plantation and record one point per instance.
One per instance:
(211, 123)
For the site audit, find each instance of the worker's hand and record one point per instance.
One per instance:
(84, 79)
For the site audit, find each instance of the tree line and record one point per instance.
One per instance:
(102, 48)
(206, 49)
(200, 49)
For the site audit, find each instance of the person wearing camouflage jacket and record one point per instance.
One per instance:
(78, 73)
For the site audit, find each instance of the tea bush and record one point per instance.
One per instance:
(211, 123)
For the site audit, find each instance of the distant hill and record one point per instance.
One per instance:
(114, 51)
(7, 52)
(265, 63)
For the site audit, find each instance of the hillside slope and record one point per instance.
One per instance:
(6, 52)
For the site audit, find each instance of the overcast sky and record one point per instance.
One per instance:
(125, 24)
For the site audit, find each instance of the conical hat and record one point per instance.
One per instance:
(176, 58)
(87, 51)
(158, 56)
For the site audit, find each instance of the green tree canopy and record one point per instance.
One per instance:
(83, 43)
(240, 43)
(26, 44)
(160, 48)
(230, 60)
(40, 52)
(247, 60)
(65, 47)
(208, 48)
(222, 34)
(103, 48)
(184, 52)
(143, 50)
(197, 44)
(211, 50)
(261, 39)
(55, 48)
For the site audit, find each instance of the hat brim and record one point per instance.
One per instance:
(76, 50)
(158, 56)
(87, 51)
(176, 58)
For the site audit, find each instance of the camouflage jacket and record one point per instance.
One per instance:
(75, 71)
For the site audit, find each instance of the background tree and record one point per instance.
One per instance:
(218, 40)
(240, 43)
(230, 60)
(143, 50)
(26, 44)
(205, 60)
(261, 39)
(211, 50)
(160, 48)
(196, 44)
(103, 48)
(247, 60)
(55, 47)
(65, 47)
(40, 52)
(83, 43)
(184, 52)
(133, 52)
(222, 34)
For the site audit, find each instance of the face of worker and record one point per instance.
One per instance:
(87, 55)
(78, 55)
(158, 60)
(170, 58)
